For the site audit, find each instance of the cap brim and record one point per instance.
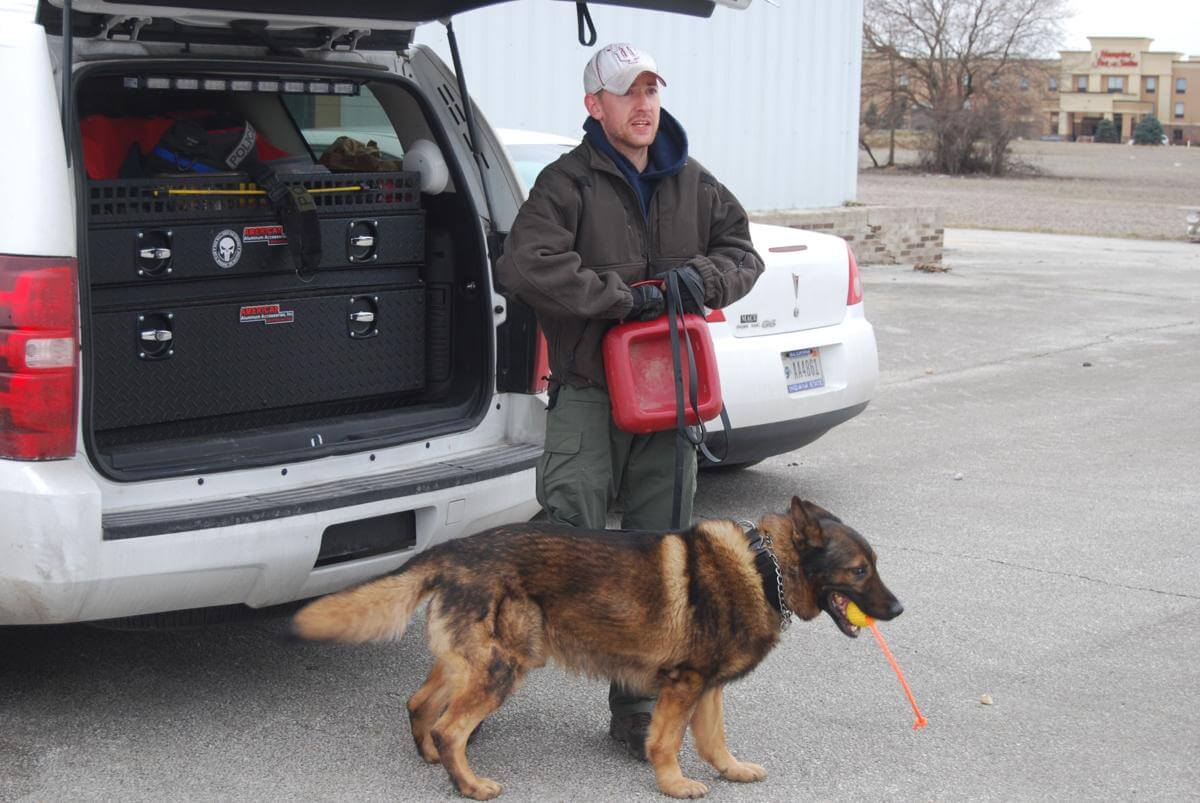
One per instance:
(620, 84)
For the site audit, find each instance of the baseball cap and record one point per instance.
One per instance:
(615, 67)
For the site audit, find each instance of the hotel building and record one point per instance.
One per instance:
(1122, 80)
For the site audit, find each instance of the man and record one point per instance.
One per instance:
(627, 205)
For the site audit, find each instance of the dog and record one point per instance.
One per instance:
(679, 614)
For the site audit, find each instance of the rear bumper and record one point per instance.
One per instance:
(751, 444)
(64, 560)
(766, 419)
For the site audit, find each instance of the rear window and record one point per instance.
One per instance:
(530, 159)
(324, 118)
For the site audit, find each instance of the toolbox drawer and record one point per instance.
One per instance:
(255, 244)
(174, 362)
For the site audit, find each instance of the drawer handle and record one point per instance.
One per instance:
(362, 317)
(155, 253)
(157, 335)
(362, 241)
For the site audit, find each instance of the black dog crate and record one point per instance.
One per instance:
(162, 229)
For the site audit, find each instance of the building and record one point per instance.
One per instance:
(1122, 80)
(768, 95)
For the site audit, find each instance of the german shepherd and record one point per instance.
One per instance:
(679, 614)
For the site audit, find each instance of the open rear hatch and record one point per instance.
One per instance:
(283, 15)
(210, 340)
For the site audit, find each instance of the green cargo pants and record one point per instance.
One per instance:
(589, 464)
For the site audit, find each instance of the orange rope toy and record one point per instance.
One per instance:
(860, 619)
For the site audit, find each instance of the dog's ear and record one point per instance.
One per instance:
(806, 521)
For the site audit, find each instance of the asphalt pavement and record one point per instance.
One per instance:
(1027, 473)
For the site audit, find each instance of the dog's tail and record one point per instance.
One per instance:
(376, 611)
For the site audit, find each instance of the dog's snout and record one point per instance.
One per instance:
(895, 609)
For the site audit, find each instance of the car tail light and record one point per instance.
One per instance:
(541, 364)
(854, 296)
(715, 316)
(39, 344)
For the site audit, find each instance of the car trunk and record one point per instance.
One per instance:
(804, 286)
(207, 344)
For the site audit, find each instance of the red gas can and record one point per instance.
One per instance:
(641, 375)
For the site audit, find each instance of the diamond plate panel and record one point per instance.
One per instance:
(225, 361)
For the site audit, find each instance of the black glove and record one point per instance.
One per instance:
(648, 303)
(691, 288)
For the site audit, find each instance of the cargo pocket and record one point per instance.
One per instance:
(558, 476)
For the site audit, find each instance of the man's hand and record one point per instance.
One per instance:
(648, 303)
(691, 288)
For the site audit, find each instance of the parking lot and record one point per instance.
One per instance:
(1027, 474)
(1116, 191)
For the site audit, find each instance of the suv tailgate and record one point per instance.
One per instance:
(376, 14)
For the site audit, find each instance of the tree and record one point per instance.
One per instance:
(884, 81)
(965, 61)
(1149, 131)
(1106, 131)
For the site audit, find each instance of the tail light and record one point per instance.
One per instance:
(39, 344)
(715, 316)
(854, 296)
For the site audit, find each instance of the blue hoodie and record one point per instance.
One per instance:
(668, 153)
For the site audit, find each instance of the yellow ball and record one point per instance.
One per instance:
(856, 616)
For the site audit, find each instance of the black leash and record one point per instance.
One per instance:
(292, 203)
(685, 437)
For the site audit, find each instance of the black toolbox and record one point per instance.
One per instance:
(198, 311)
(154, 230)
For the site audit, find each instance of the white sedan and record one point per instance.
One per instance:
(796, 356)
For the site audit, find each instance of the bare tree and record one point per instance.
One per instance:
(885, 85)
(885, 100)
(963, 59)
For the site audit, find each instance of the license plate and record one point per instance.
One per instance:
(802, 369)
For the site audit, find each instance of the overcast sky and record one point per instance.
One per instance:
(1172, 24)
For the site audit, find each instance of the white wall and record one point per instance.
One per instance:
(769, 96)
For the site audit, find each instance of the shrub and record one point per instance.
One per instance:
(871, 115)
(1149, 131)
(1106, 131)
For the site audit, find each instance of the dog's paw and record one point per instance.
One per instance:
(428, 751)
(684, 788)
(482, 789)
(744, 772)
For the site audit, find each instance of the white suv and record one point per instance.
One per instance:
(212, 398)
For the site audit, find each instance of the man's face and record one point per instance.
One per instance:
(629, 120)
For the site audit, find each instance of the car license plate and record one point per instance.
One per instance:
(802, 369)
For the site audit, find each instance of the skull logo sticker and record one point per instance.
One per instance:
(226, 249)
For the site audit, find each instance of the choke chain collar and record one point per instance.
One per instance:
(761, 542)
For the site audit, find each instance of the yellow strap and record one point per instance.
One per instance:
(169, 191)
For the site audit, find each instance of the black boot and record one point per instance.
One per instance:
(631, 731)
